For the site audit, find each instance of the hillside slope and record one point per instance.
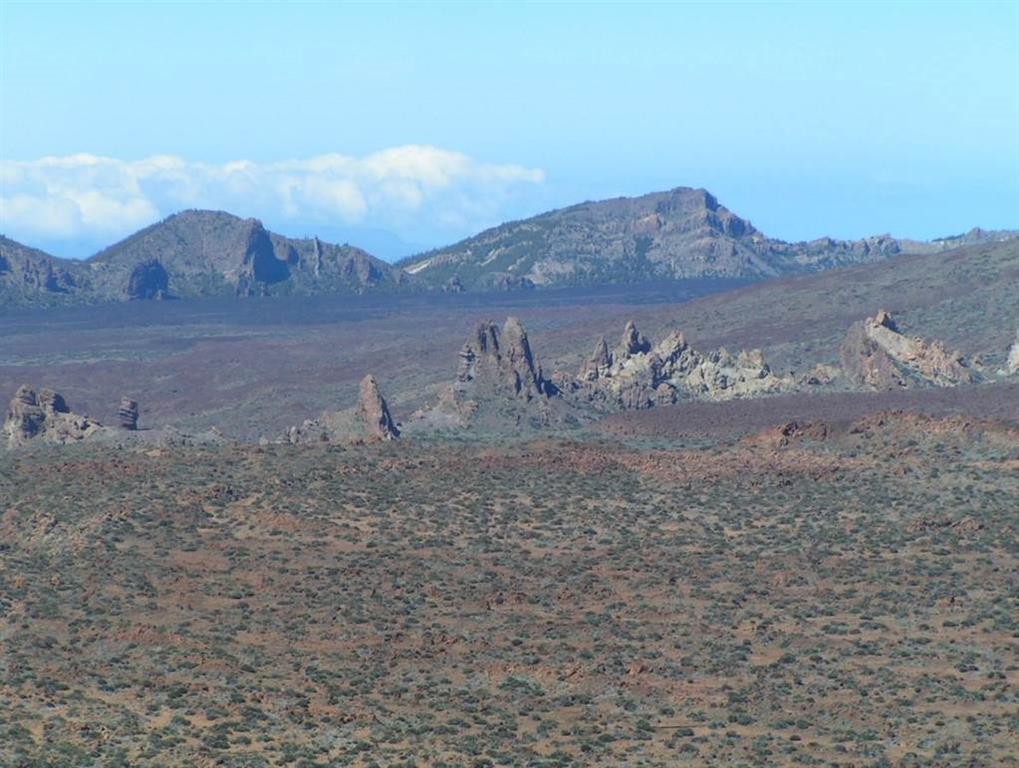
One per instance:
(193, 254)
(31, 276)
(966, 297)
(208, 253)
(681, 233)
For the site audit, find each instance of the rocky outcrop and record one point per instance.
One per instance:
(502, 281)
(498, 380)
(502, 361)
(148, 280)
(28, 275)
(44, 416)
(638, 375)
(127, 414)
(370, 420)
(866, 364)
(373, 411)
(633, 342)
(877, 355)
(1012, 364)
(598, 364)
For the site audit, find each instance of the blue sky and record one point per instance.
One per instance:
(405, 125)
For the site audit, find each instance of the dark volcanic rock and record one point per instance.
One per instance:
(28, 275)
(212, 253)
(127, 413)
(148, 280)
(498, 382)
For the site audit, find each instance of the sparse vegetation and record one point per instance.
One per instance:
(540, 603)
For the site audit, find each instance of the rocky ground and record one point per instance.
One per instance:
(813, 593)
(775, 526)
(257, 367)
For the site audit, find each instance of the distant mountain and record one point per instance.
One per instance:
(194, 254)
(681, 233)
(208, 253)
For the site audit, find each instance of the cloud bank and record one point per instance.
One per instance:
(409, 189)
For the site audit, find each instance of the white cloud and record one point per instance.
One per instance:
(401, 188)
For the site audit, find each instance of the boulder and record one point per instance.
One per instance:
(877, 355)
(127, 414)
(44, 416)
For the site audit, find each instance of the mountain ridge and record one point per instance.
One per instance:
(679, 233)
(676, 234)
(192, 254)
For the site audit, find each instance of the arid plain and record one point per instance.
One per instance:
(824, 574)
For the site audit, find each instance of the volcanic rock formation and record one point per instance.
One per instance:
(638, 375)
(127, 413)
(877, 355)
(44, 416)
(498, 381)
(373, 411)
(148, 280)
(500, 366)
(369, 420)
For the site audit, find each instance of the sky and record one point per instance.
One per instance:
(403, 126)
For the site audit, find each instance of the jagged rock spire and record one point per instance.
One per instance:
(600, 361)
(373, 411)
(503, 358)
(633, 342)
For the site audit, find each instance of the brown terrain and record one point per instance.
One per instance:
(774, 525)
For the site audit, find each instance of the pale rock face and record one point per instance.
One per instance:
(639, 375)
(46, 417)
(877, 355)
(1012, 366)
(633, 342)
